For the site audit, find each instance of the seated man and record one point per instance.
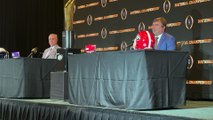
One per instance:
(50, 53)
(164, 41)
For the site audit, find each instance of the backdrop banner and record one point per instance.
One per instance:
(107, 23)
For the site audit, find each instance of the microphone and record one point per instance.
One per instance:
(33, 51)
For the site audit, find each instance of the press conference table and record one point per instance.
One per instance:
(131, 80)
(26, 77)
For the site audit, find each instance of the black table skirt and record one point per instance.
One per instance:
(131, 79)
(26, 77)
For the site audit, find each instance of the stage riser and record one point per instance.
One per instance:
(20, 110)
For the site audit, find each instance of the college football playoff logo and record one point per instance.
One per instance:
(123, 46)
(190, 62)
(103, 33)
(89, 19)
(103, 3)
(189, 22)
(141, 26)
(124, 14)
(166, 6)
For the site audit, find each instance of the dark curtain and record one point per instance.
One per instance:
(27, 23)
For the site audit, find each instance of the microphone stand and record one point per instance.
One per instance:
(30, 55)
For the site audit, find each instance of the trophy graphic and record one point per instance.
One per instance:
(68, 34)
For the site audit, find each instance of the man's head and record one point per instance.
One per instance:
(53, 39)
(159, 26)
